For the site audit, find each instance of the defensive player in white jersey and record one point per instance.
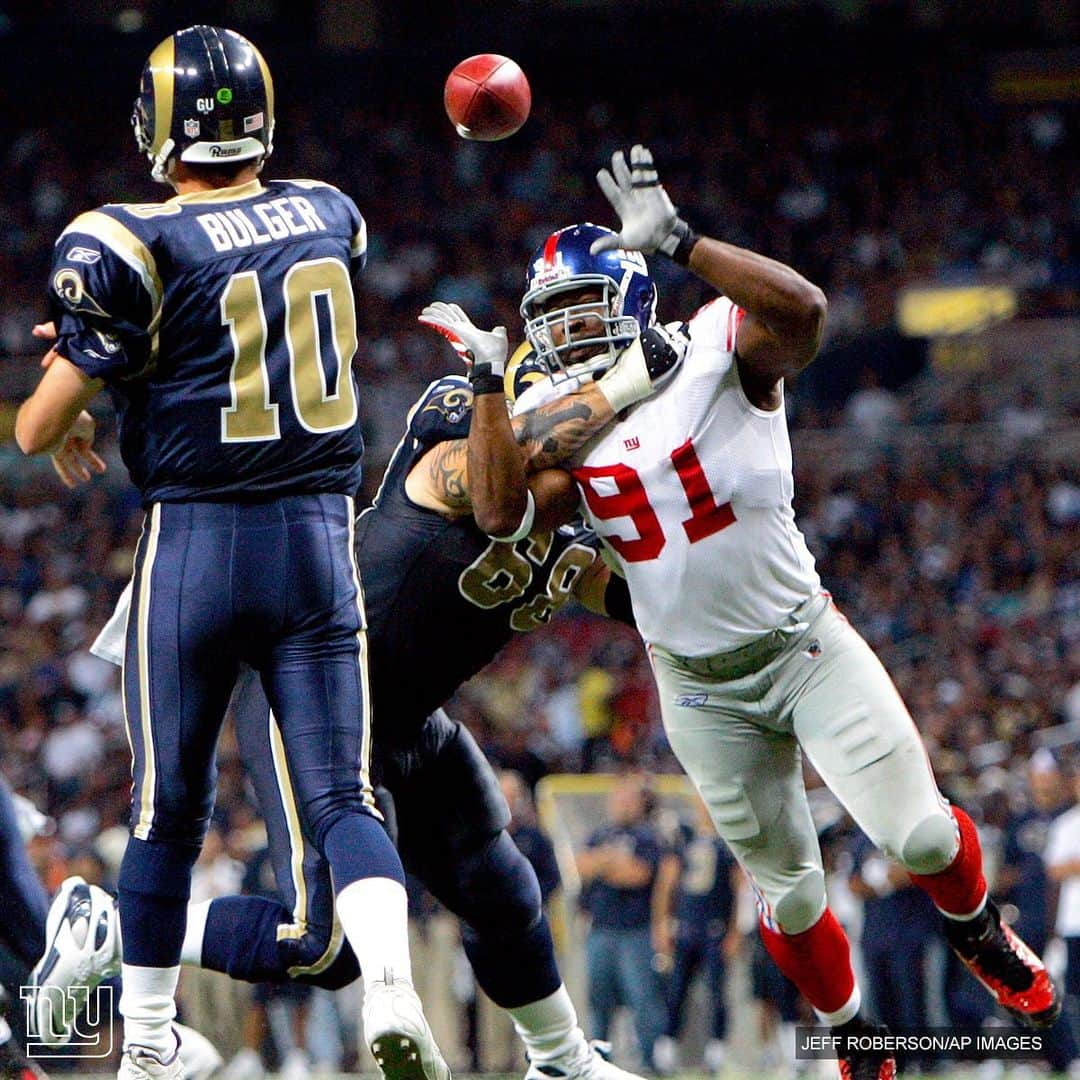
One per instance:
(691, 490)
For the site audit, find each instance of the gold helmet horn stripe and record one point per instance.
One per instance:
(269, 84)
(162, 64)
(510, 376)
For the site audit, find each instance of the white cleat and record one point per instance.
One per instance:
(198, 1055)
(587, 1062)
(142, 1063)
(82, 947)
(398, 1035)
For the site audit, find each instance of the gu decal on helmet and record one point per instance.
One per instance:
(603, 327)
(205, 96)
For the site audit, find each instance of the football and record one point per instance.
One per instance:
(487, 97)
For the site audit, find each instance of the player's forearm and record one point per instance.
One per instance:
(628, 872)
(789, 305)
(45, 418)
(553, 433)
(496, 469)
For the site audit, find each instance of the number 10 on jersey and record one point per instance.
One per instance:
(252, 416)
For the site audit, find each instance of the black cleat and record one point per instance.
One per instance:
(994, 953)
(865, 1064)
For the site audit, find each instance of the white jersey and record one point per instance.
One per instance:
(692, 491)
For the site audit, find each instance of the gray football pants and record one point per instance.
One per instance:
(736, 722)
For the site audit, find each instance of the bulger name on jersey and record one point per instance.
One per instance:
(291, 215)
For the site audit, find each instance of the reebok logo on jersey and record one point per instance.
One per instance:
(84, 255)
(813, 650)
(633, 443)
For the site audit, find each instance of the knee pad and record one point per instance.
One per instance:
(801, 905)
(931, 846)
(444, 789)
(492, 888)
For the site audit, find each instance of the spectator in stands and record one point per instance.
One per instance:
(899, 923)
(695, 930)
(1024, 881)
(1062, 855)
(618, 870)
(597, 686)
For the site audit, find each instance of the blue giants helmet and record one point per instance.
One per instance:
(205, 96)
(563, 264)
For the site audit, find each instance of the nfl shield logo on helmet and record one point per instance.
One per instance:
(191, 129)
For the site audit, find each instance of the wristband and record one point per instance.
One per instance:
(526, 525)
(487, 384)
(678, 243)
(627, 381)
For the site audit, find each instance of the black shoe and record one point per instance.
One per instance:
(995, 955)
(865, 1064)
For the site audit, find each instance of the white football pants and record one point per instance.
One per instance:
(737, 721)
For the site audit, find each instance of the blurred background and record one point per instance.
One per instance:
(918, 160)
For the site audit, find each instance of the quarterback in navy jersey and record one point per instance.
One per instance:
(424, 556)
(222, 322)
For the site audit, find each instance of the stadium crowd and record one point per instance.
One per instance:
(961, 573)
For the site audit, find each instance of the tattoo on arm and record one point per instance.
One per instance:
(447, 468)
(556, 431)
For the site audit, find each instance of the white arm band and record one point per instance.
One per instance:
(526, 525)
(627, 381)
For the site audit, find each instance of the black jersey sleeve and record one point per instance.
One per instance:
(443, 412)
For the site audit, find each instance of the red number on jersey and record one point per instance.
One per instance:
(706, 516)
(632, 501)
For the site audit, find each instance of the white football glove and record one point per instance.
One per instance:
(483, 351)
(648, 218)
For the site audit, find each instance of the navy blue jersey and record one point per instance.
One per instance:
(1025, 841)
(224, 325)
(442, 598)
(900, 917)
(614, 907)
(705, 899)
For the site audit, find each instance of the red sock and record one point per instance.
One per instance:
(960, 888)
(817, 961)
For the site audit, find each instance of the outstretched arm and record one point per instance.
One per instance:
(485, 474)
(783, 313)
